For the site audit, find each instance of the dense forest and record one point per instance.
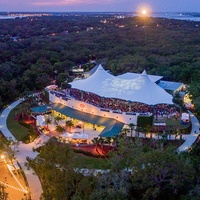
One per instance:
(36, 50)
(136, 171)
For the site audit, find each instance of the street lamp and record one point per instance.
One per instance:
(3, 157)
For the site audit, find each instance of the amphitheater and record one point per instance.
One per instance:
(112, 101)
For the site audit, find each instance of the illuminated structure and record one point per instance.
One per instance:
(108, 96)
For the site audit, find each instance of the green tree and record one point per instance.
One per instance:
(57, 120)
(3, 193)
(48, 121)
(131, 125)
(55, 167)
(95, 141)
(69, 124)
(108, 140)
(101, 142)
(160, 173)
(60, 129)
(61, 78)
(138, 130)
(111, 186)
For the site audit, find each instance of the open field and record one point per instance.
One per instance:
(15, 128)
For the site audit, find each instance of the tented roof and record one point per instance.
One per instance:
(129, 76)
(112, 126)
(140, 89)
(91, 71)
(41, 120)
(169, 85)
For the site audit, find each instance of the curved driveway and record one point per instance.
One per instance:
(190, 138)
(23, 150)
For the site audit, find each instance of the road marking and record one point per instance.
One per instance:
(22, 188)
(13, 187)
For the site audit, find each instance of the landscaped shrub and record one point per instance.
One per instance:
(187, 130)
(87, 153)
(46, 97)
(144, 121)
(32, 134)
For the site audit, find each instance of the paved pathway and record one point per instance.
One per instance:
(3, 118)
(190, 139)
(24, 150)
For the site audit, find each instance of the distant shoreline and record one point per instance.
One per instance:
(188, 16)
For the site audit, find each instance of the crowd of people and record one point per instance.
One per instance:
(121, 105)
(165, 110)
(117, 105)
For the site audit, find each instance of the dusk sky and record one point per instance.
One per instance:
(98, 5)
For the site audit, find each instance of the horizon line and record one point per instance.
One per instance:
(95, 12)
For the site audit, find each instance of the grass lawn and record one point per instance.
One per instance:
(171, 122)
(82, 161)
(15, 128)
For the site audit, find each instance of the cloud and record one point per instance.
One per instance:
(70, 2)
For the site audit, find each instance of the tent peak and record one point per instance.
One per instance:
(100, 67)
(144, 73)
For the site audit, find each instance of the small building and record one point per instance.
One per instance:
(171, 87)
(89, 28)
(77, 70)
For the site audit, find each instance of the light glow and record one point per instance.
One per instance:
(144, 12)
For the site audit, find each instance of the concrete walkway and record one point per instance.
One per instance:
(3, 118)
(24, 150)
(190, 138)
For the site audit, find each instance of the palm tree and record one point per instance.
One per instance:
(60, 129)
(131, 125)
(115, 141)
(57, 119)
(69, 125)
(108, 140)
(138, 130)
(145, 131)
(124, 131)
(48, 121)
(95, 141)
(101, 141)
(167, 133)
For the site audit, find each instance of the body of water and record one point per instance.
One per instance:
(169, 15)
(178, 16)
(6, 17)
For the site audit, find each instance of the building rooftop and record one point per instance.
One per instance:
(169, 85)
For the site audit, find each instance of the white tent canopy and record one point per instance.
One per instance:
(140, 89)
(75, 135)
(130, 76)
(185, 116)
(40, 120)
